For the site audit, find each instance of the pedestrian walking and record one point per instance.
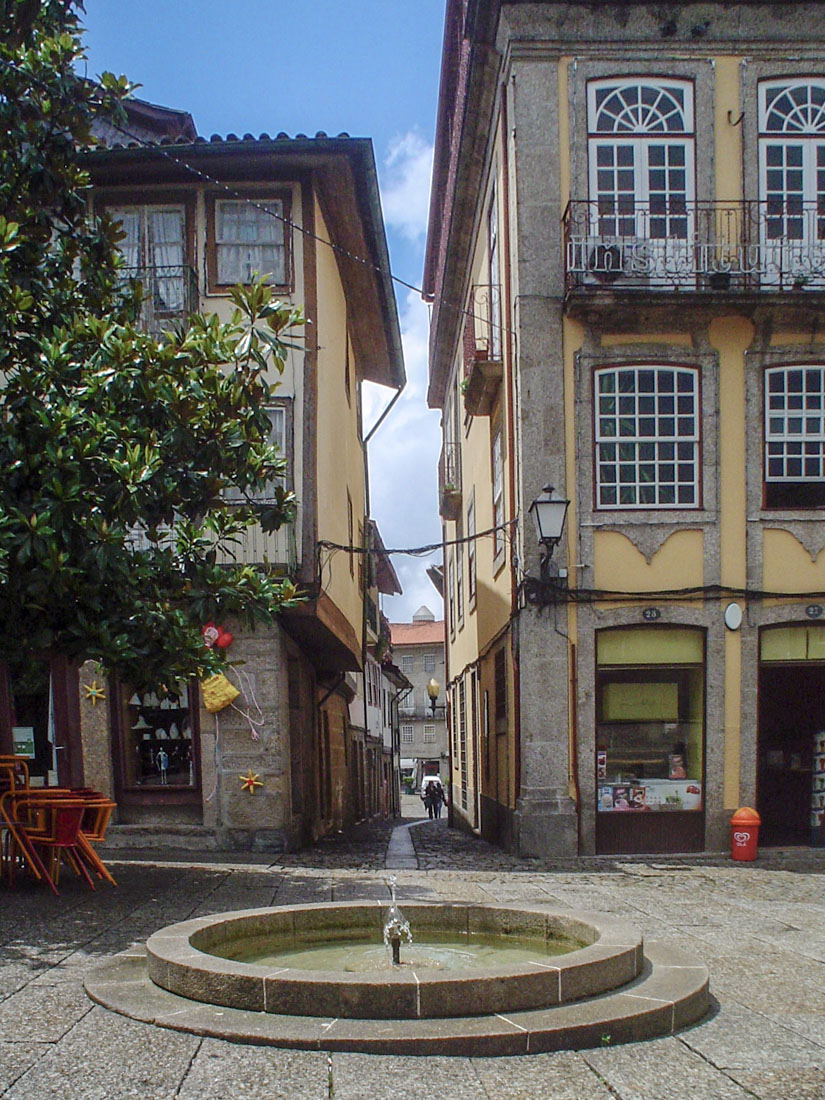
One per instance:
(439, 797)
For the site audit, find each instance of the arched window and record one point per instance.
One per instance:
(641, 158)
(647, 437)
(792, 178)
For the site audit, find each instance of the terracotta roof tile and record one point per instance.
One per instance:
(425, 633)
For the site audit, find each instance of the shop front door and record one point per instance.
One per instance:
(791, 716)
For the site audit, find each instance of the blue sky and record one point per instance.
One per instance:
(366, 67)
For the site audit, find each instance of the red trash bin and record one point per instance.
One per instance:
(744, 834)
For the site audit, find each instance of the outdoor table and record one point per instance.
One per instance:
(63, 822)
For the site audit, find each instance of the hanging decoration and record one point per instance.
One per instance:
(250, 781)
(94, 694)
(218, 692)
(216, 636)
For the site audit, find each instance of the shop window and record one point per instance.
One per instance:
(647, 437)
(650, 710)
(795, 437)
(157, 742)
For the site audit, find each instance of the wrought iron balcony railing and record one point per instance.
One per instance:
(757, 246)
(449, 480)
(482, 329)
(169, 294)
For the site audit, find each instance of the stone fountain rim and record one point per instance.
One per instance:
(613, 957)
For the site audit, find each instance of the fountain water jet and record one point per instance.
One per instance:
(395, 926)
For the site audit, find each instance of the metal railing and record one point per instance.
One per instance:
(449, 468)
(482, 327)
(253, 547)
(750, 245)
(169, 294)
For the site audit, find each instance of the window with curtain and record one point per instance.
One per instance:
(154, 251)
(250, 237)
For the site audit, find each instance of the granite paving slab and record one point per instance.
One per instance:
(795, 1084)
(562, 1075)
(227, 1071)
(729, 916)
(661, 1069)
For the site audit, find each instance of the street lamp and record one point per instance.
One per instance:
(549, 512)
(433, 688)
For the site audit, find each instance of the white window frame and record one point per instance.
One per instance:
(497, 462)
(792, 179)
(649, 449)
(407, 662)
(471, 551)
(429, 735)
(407, 734)
(795, 425)
(430, 662)
(643, 203)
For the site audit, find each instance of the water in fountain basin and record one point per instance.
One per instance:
(437, 953)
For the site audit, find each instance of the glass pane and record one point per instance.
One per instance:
(650, 738)
(157, 738)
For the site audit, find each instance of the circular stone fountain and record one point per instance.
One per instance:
(606, 987)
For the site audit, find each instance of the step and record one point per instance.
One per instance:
(160, 836)
(671, 993)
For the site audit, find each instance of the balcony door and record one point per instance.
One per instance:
(642, 180)
(792, 181)
(154, 251)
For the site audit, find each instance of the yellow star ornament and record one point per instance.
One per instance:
(250, 781)
(94, 694)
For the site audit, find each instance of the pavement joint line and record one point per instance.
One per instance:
(512, 1023)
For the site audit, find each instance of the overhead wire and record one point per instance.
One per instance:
(180, 162)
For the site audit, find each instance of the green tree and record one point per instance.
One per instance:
(117, 450)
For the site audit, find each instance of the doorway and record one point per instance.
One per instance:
(791, 714)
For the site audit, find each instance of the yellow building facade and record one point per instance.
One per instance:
(627, 269)
(198, 217)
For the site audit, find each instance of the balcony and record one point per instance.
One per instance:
(275, 549)
(712, 248)
(449, 481)
(422, 714)
(483, 357)
(169, 294)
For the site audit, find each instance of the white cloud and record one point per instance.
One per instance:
(404, 465)
(405, 185)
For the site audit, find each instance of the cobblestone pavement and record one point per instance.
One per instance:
(760, 928)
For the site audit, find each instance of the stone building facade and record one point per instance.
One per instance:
(627, 271)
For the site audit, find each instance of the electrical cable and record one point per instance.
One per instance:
(228, 189)
(412, 551)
